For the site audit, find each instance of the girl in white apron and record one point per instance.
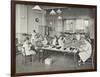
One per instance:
(61, 42)
(45, 41)
(85, 51)
(26, 49)
(54, 42)
(33, 36)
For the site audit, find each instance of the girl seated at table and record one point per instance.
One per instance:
(45, 41)
(54, 41)
(61, 42)
(85, 50)
(26, 48)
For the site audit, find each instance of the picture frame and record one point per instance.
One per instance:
(92, 12)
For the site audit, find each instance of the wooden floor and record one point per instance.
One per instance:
(60, 62)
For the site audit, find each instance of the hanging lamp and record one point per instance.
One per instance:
(59, 11)
(59, 17)
(52, 12)
(37, 7)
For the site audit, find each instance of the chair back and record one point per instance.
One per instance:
(23, 51)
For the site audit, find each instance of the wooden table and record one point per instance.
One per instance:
(44, 52)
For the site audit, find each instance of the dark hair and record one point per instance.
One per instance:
(34, 31)
(55, 36)
(27, 38)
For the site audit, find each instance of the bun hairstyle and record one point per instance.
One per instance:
(34, 31)
(27, 38)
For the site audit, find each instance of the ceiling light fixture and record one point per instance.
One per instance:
(52, 12)
(59, 17)
(59, 11)
(37, 7)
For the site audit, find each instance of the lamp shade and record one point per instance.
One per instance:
(59, 11)
(52, 12)
(36, 7)
(50, 23)
(59, 17)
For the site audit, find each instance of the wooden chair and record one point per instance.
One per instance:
(91, 59)
(27, 56)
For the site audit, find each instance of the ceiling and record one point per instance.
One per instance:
(51, 7)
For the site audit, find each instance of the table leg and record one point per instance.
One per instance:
(74, 58)
(39, 55)
(43, 56)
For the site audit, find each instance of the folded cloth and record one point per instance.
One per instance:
(48, 61)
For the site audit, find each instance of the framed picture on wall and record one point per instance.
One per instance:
(37, 51)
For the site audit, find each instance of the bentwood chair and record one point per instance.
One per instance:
(91, 59)
(28, 56)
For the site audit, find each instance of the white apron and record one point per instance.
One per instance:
(33, 37)
(54, 41)
(85, 51)
(27, 50)
(45, 41)
(61, 43)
